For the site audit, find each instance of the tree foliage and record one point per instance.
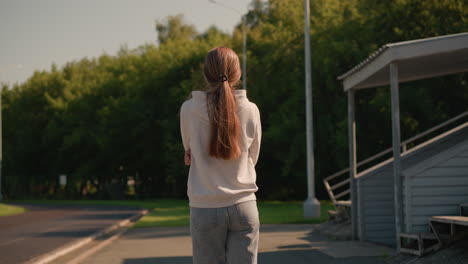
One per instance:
(100, 120)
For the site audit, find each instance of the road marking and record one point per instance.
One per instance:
(11, 241)
(49, 257)
(98, 247)
(65, 251)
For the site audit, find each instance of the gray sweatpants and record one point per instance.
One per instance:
(227, 235)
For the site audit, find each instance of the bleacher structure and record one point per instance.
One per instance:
(416, 199)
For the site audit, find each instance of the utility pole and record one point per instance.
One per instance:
(244, 52)
(311, 205)
(1, 158)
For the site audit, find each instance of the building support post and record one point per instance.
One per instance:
(396, 139)
(1, 147)
(352, 162)
(311, 205)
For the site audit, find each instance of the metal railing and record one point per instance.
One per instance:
(338, 184)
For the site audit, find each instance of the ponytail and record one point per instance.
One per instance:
(224, 123)
(222, 73)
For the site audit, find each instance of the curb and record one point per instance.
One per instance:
(53, 255)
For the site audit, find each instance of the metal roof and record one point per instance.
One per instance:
(416, 59)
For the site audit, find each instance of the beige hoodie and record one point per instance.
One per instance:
(215, 183)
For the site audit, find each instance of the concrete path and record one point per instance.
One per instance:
(44, 228)
(285, 244)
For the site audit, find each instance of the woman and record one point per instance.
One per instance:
(221, 134)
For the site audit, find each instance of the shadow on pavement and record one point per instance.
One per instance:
(160, 260)
(276, 257)
(311, 256)
(158, 232)
(74, 233)
(164, 232)
(102, 216)
(314, 236)
(88, 207)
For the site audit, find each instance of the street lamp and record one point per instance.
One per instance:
(311, 205)
(244, 42)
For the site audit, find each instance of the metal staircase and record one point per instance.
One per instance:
(338, 184)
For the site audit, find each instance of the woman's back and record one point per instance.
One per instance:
(215, 182)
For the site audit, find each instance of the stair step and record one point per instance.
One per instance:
(418, 243)
(343, 203)
(419, 235)
(332, 215)
(464, 209)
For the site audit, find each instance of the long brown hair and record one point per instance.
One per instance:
(222, 73)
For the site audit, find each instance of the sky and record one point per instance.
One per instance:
(36, 33)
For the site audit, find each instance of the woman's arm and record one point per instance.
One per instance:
(254, 149)
(187, 158)
(184, 131)
(185, 135)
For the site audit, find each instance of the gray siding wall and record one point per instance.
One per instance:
(435, 182)
(438, 189)
(376, 213)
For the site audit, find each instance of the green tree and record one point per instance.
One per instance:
(100, 120)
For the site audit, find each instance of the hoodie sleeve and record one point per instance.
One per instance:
(184, 132)
(254, 149)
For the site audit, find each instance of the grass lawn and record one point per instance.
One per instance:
(271, 212)
(176, 212)
(6, 209)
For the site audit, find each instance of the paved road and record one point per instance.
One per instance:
(47, 227)
(279, 244)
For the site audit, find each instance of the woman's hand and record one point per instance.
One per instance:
(187, 158)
